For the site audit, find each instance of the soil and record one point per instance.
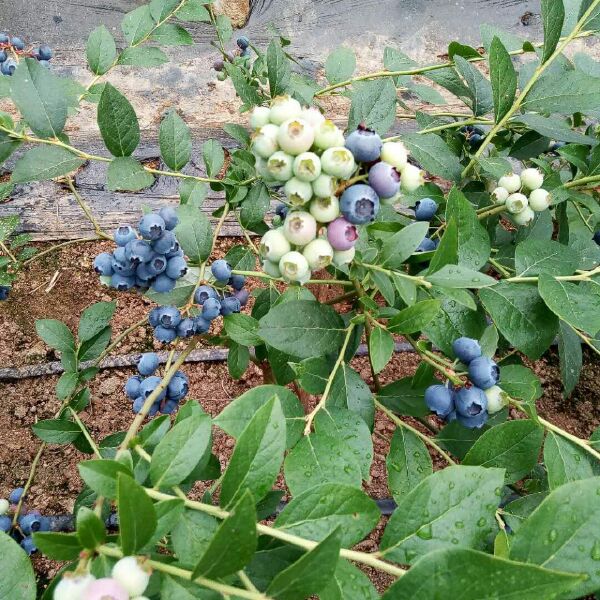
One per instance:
(62, 284)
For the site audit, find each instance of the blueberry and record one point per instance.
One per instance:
(470, 402)
(138, 251)
(169, 216)
(475, 140)
(425, 209)
(122, 267)
(164, 335)
(426, 245)
(44, 52)
(3, 38)
(8, 67)
(237, 282)
(155, 266)
(169, 317)
(475, 422)
(201, 325)
(154, 316)
(243, 42)
(230, 305)
(149, 385)
(466, 349)
(164, 243)
(596, 237)
(211, 309)
(4, 291)
(169, 407)
(45, 524)
(175, 251)
(3, 55)
(132, 387)
(384, 179)
(185, 329)
(221, 270)
(138, 403)
(365, 144)
(359, 204)
(281, 210)
(439, 399)
(163, 284)
(176, 267)
(144, 274)
(28, 545)
(124, 234)
(17, 43)
(152, 226)
(484, 372)
(242, 296)
(15, 495)
(122, 283)
(203, 293)
(5, 523)
(147, 365)
(29, 523)
(103, 264)
(178, 387)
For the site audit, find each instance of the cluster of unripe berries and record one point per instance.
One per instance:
(472, 405)
(243, 44)
(13, 47)
(522, 195)
(139, 387)
(308, 155)
(28, 523)
(128, 581)
(152, 259)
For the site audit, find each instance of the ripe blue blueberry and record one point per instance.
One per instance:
(28, 545)
(169, 216)
(466, 349)
(425, 209)
(201, 325)
(365, 144)
(155, 266)
(470, 402)
(169, 317)
(475, 422)
(138, 403)
(221, 270)
(230, 305)
(149, 385)
(5, 523)
(178, 387)
(147, 365)
(103, 264)
(475, 140)
(143, 276)
(44, 52)
(29, 523)
(242, 296)
(154, 316)
(185, 329)
(176, 251)
(165, 243)
(17, 43)
(169, 407)
(46, 524)
(211, 308)
(243, 42)
(15, 495)
(426, 245)
(484, 372)
(597, 237)
(384, 179)
(4, 291)
(237, 282)
(3, 38)
(281, 210)
(138, 251)
(122, 283)
(439, 399)
(203, 293)
(124, 234)
(8, 67)
(164, 335)
(132, 387)
(152, 226)
(176, 267)
(359, 204)
(163, 284)
(122, 267)
(3, 55)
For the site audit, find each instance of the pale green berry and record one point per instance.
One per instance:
(295, 136)
(279, 165)
(499, 195)
(524, 217)
(392, 200)
(299, 228)
(284, 108)
(294, 267)
(324, 186)
(4, 506)
(298, 192)
(338, 162)
(274, 245)
(325, 210)
(343, 257)
(318, 254)
(328, 135)
(497, 399)
(307, 166)
(259, 116)
(395, 154)
(532, 179)
(261, 169)
(264, 141)
(271, 268)
(516, 203)
(511, 182)
(539, 200)
(313, 116)
(412, 178)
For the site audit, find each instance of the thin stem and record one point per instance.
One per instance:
(491, 210)
(582, 217)
(502, 270)
(587, 341)
(247, 582)
(86, 433)
(416, 279)
(450, 374)
(583, 276)
(86, 209)
(58, 247)
(341, 298)
(581, 181)
(6, 250)
(456, 124)
(260, 275)
(29, 481)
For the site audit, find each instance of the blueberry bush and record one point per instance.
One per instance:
(474, 237)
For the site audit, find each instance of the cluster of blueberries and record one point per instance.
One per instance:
(474, 136)
(155, 261)
(139, 387)
(472, 405)
(243, 44)
(12, 47)
(28, 522)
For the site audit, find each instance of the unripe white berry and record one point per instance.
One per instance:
(307, 166)
(499, 195)
(532, 179)
(313, 116)
(298, 192)
(343, 257)
(259, 116)
(395, 154)
(325, 210)
(72, 587)
(412, 178)
(497, 399)
(274, 245)
(300, 228)
(261, 169)
(279, 165)
(271, 268)
(284, 108)
(4, 506)
(524, 217)
(338, 162)
(324, 186)
(318, 254)
(264, 141)
(294, 267)
(511, 182)
(516, 203)
(295, 136)
(391, 200)
(328, 135)
(130, 573)
(539, 200)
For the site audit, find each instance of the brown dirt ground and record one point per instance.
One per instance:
(23, 402)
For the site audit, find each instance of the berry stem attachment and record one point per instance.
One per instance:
(448, 373)
(416, 279)
(86, 209)
(489, 211)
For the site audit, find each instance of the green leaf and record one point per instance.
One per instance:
(101, 50)
(408, 463)
(93, 347)
(513, 446)
(521, 382)
(57, 546)
(480, 88)
(554, 128)
(255, 206)
(447, 251)
(233, 544)
(242, 329)
(278, 68)
(496, 166)
(349, 583)
(462, 515)
(558, 534)
(489, 577)
(44, 162)
(118, 122)
(257, 456)
(449, 79)
(175, 141)
(101, 475)
(179, 451)
(348, 390)
(194, 233)
(224, 28)
(414, 318)
(56, 334)
(247, 92)
(310, 574)
(193, 11)
(397, 248)
(533, 257)
(161, 10)
(137, 24)
(503, 78)
(192, 192)
(434, 155)
(7, 146)
(95, 318)
(214, 157)
(374, 104)
(143, 56)
(18, 578)
(137, 518)
(405, 397)
(128, 174)
(553, 16)
(40, 97)
(570, 355)
(191, 536)
(457, 276)
(521, 316)
(91, 531)
(340, 65)
(381, 348)
(564, 461)
(56, 431)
